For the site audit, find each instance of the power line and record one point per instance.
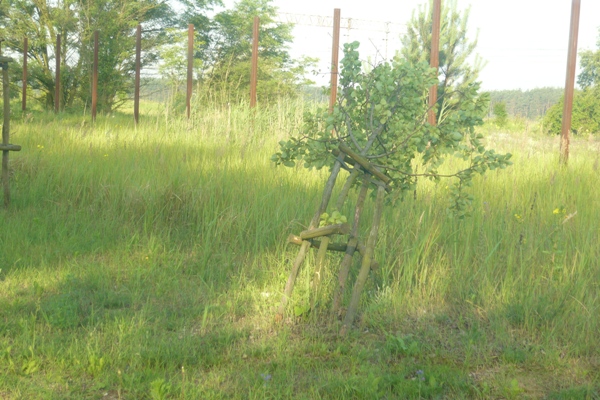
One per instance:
(346, 23)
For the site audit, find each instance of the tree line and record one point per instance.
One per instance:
(529, 104)
(222, 46)
(222, 55)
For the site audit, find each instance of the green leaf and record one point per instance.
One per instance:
(301, 310)
(456, 136)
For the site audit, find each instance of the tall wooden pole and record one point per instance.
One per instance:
(138, 64)
(570, 83)
(57, 80)
(335, 56)
(24, 99)
(95, 78)
(190, 68)
(434, 58)
(254, 70)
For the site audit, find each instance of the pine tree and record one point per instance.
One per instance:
(455, 73)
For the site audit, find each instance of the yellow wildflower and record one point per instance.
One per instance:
(519, 218)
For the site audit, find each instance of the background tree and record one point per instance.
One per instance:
(116, 21)
(501, 114)
(41, 20)
(455, 73)
(173, 64)
(228, 53)
(590, 67)
(586, 113)
(196, 13)
(586, 102)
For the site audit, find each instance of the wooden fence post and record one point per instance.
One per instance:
(190, 68)
(95, 78)
(57, 80)
(434, 58)
(24, 99)
(138, 63)
(335, 56)
(570, 83)
(254, 70)
(5, 130)
(6, 147)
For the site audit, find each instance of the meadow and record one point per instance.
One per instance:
(148, 262)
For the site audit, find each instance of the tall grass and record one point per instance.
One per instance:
(146, 262)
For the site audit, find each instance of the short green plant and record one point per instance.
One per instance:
(404, 345)
(160, 389)
(501, 114)
(335, 218)
(95, 365)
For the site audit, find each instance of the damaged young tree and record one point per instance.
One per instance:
(379, 133)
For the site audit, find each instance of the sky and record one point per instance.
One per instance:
(523, 42)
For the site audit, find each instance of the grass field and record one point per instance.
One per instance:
(148, 263)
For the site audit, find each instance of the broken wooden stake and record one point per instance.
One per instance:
(339, 229)
(365, 164)
(316, 283)
(10, 147)
(6, 147)
(365, 266)
(348, 257)
(289, 286)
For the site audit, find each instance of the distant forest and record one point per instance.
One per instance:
(528, 104)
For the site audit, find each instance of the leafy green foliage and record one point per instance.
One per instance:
(586, 103)
(590, 67)
(381, 114)
(173, 66)
(585, 117)
(335, 218)
(501, 114)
